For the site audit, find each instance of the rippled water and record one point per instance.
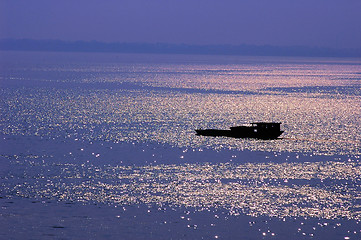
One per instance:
(119, 130)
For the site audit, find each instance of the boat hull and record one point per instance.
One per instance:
(240, 134)
(257, 130)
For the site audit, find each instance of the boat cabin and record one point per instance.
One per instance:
(268, 126)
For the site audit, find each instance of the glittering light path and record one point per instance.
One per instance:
(101, 133)
(319, 189)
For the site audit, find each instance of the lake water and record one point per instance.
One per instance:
(102, 146)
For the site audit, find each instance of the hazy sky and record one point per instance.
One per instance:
(326, 23)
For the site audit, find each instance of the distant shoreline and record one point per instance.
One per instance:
(166, 48)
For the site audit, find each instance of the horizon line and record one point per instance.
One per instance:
(25, 44)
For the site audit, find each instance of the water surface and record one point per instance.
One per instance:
(116, 131)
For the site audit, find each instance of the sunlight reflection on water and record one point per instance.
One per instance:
(312, 124)
(321, 189)
(318, 103)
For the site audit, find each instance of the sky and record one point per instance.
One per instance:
(319, 23)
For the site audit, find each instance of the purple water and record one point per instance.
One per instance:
(102, 146)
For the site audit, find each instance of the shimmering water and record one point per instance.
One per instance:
(118, 131)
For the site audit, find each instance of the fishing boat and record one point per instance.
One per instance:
(260, 130)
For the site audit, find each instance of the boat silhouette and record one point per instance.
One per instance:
(259, 130)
